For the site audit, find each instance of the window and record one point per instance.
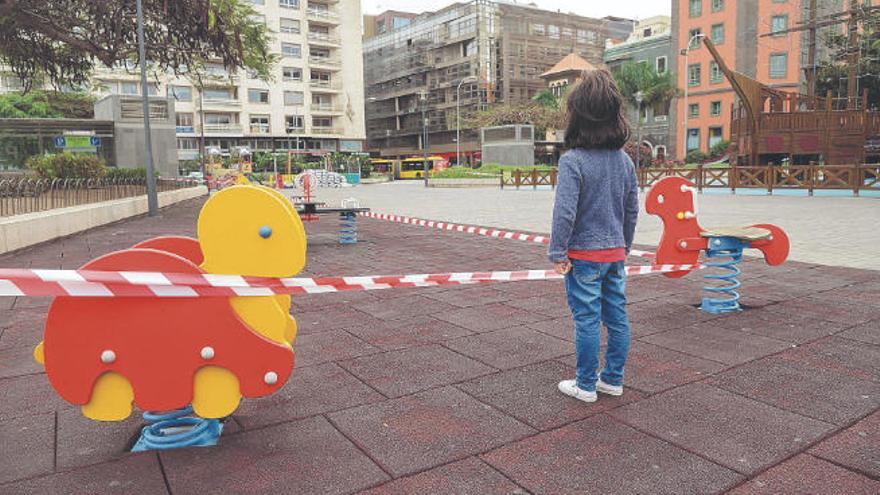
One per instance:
(294, 123)
(695, 9)
(718, 34)
(716, 135)
(715, 108)
(259, 124)
(184, 119)
(188, 144)
(646, 33)
(218, 119)
(778, 65)
(290, 26)
(538, 29)
(694, 75)
(322, 122)
(291, 50)
(289, 4)
(180, 93)
(693, 141)
(693, 36)
(258, 96)
(661, 111)
(778, 23)
(212, 94)
(715, 74)
(294, 98)
(717, 5)
(258, 2)
(581, 36)
(693, 110)
(661, 65)
(291, 74)
(130, 88)
(553, 31)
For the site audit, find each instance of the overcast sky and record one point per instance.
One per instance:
(632, 9)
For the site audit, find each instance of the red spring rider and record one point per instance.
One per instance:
(672, 199)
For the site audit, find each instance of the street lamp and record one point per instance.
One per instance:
(468, 79)
(639, 98)
(152, 197)
(686, 52)
(423, 100)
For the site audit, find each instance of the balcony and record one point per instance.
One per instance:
(323, 131)
(223, 129)
(326, 62)
(259, 129)
(222, 104)
(296, 131)
(323, 16)
(323, 39)
(323, 85)
(325, 108)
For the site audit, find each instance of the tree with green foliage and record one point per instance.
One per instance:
(635, 77)
(536, 114)
(46, 105)
(64, 41)
(547, 99)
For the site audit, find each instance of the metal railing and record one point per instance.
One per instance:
(26, 195)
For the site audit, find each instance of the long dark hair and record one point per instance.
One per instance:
(595, 114)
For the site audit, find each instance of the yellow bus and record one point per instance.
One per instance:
(382, 166)
(414, 168)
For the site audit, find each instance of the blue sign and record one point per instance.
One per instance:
(60, 142)
(95, 141)
(186, 129)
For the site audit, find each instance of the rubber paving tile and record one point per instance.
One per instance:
(599, 456)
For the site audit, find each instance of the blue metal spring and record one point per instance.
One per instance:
(348, 233)
(722, 295)
(176, 430)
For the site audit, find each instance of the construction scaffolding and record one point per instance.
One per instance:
(460, 60)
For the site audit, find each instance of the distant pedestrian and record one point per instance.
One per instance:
(594, 220)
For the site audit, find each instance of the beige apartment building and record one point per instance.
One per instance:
(315, 102)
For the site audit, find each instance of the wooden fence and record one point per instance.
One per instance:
(856, 178)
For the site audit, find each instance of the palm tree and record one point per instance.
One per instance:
(546, 99)
(639, 77)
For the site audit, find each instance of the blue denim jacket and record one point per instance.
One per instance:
(597, 202)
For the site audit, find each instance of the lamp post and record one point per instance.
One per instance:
(458, 118)
(423, 100)
(686, 52)
(152, 197)
(639, 98)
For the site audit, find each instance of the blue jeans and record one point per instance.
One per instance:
(596, 294)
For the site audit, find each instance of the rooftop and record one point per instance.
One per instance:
(571, 63)
(454, 389)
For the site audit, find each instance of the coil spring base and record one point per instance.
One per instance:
(722, 295)
(176, 430)
(348, 233)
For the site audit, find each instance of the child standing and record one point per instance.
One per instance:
(594, 220)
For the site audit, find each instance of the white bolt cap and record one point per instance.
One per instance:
(207, 352)
(683, 244)
(108, 357)
(660, 198)
(271, 378)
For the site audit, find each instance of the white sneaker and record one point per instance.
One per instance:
(570, 388)
(616, 390)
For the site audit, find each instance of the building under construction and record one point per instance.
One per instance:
(483, 52)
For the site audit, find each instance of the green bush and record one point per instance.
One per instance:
(67, 166)
(696, 156)
(114, 173)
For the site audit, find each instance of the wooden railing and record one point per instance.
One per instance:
(530, 178)
(856, 178)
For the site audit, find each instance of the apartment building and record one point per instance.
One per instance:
(736, 27)
(476, 54)
(386, 21)
(314, 104)
(649, 43)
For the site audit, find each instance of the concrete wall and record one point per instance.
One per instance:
(129, 136)
(21, 231)
(516, 147)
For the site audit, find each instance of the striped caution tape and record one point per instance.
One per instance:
(87, 283)
(470, 229)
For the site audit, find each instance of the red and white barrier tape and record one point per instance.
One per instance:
(85, 283)
(470, 229)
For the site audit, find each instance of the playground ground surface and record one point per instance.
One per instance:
(453, 390)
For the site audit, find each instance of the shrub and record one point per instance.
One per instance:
(114, 173)
(696, 156)
(67, 166)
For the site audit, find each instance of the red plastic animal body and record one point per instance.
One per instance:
(672, 199)
(158, 344)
